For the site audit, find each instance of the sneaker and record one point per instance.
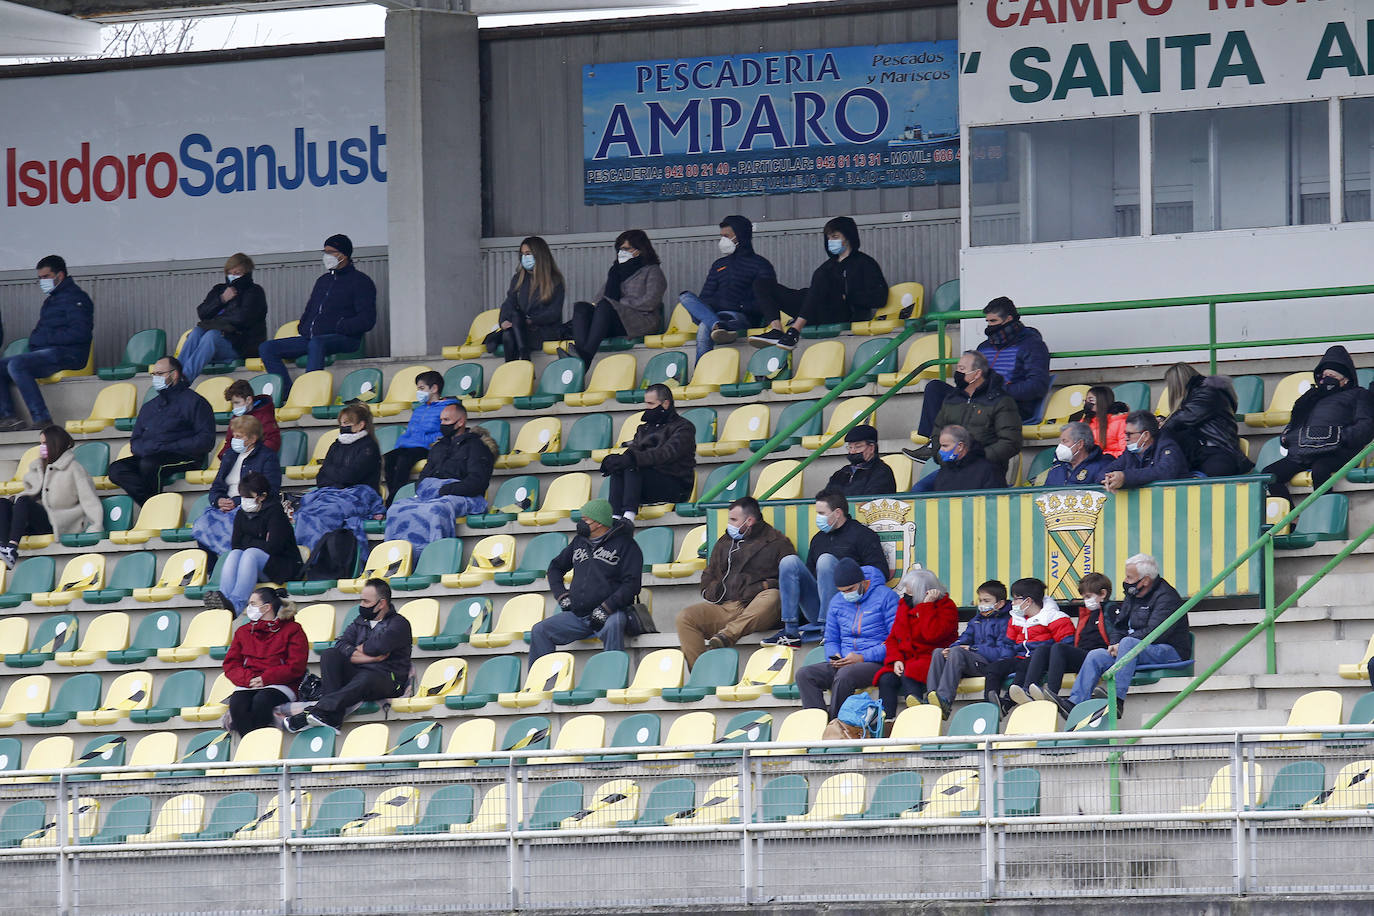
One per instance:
(1018, 696)
(216, 601)
(782, 638)
(9, 555)
(1065, 705)
(790, 339)
(1038, 693)
(1099, 692)
(12, 425)
(297, 723)
(924, 453)
(769, 338)
(317, 721)
(720, 334)
(934, 699)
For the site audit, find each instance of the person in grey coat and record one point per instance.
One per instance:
(629, 303)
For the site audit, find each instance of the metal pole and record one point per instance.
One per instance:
(1271, 648)
(1240, 784)
(989, 836)
(748, 866)
(64, 878)
(1212, 335)
(513, 810)
(290, 879)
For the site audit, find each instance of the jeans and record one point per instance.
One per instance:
(239, 575)
(274, 353)
(634, 487)
(707, 318)
(804, 596)
(345, 685)
(250, 709)
(24, 370)
(813, 680)
(1099, 660)
(932, 399)
(565, 627)
(203, 347)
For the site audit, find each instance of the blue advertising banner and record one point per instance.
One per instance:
(872, 116)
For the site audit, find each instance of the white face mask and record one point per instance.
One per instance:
(239, 410)
(726, 246)
(238, 445)
(253, 613)
(350, 438)
(230, 278)
(46, 284)
(1063, 453)
(331, 262)
(250, 505)
(159, 382)
(622, 256)
(421, 396)
(1091, 602)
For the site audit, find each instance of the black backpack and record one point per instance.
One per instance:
(334, 557)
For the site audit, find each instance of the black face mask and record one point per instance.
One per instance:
(1131, 589)
(857, 458)
(960, 380)
(583, 529)
(1004, 333)
(367, 613)
(1328, 383)
(449, 429)
(657, 415)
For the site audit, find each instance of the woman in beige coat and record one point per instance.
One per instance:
(629, 303)
(58, 496)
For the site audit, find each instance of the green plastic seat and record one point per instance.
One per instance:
(160, 630)
(895, 793)
(127, 817)
(670, 366)
(119, 512)
(180, 690)
(230, 814)
(515, 495)
(866, 351)
(103, 751)
(739, 487)
(946, 297)
(496, 675)
(1088, 716)
(606, 670)
(11, 752)
(21, 818)
(126, 424)
(78, 693)
(359, 385)
(527, 733)
(320, 586)
(32, 575)
(500, 431)
(1018, 793)
(143, 349)
(558, 800)
(782, 797)
(464, 380)
(55, 634)
(447, 806)
(703, 420)
(656, 545)
(1250, 392)
(211, 746)
(134, 570)
(417, 738)
(535, 560)
(1136, 395)
(792, 411)
(792, 691)
(197, 592)
(1295, 785)
(1324, 520)
(184, 533)
(763, 367)
(466, 617)
(336, 809)
(294, 448)
(270, 384)
(973, 720)
(714, 668)
(388, 436)
(439, 557)
(637, 731)
(558, 378)
(315, 743)
(588, 433)
(750, 727)
(672, 796)
(94, 456)
(16, 347)
(1039, 464)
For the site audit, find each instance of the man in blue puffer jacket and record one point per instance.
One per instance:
(725, 307)
(60, 340)
(856, 626)
(421, 432)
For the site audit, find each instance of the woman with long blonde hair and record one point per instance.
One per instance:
(1202, 420)
(532, 312)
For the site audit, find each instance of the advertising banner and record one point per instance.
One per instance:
(167, 163)
(874, 116)
(1033, 60)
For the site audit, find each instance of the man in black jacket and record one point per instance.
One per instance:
(848, 286)
(1335, 407)
(806, 588)
(1150, 456)
(980, 404)
(607, 569)
(233, 320)
(963, 466)
(658, 464)
(462, 455)
(1149, 602)
(60, 340)
(172, 434)
(867, 474)
(726, 304)
(369, 661)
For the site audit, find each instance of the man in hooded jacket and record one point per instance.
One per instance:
(1330, 423)
(848, 286)
(659, 463)
(725, 307)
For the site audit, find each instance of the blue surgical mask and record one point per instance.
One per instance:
(948, 454)
(1132, 446)
(853, 597)
(734, 532)
(834, 246)
(46, 284)
(421, 396)
(239, 410)
(159, 382)
(527, 261)
(238, 445)
(823, 521)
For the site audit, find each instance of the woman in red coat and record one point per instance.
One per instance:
(923, 624)
(266, 660)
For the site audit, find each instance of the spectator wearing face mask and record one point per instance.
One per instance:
(243, 402)
(1106, 416)
(58, 497)
(857, 625)
(346, 492)
(172, 434)
(963, 466)
(60, 340)
(532, 312)
(629, 303)
(341, 309)
(1203, 422)
(725, 307)
(1036, 622)
(659, 463)
(1078, 461)
(607, 568)
(233, 320)
(979, 404)
(452, 484)
(1150, 456)
(1331, 422)
(265, 661)
(262, 546)
(927, 621)
(983, 642)
(867, 474)
(1096, 629)
(421, 432)
(213, 530)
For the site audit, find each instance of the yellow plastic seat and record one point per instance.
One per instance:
(88, 369)
(1063, 403)
(1037, 717)
(130, 691)
(1354, 788)
(107, 632)
(182, 570)
(159, 513)
(206, 477)
(693, 728)
(745, 424)
(311, 469)
(493, 554)
(804, 725)
(1280, 409)
(313, 389)
(216, 701)
(318, 622)
(580, 733)
(922, 349)
(395, 808)
(767, 667)
(82, 817)
(903, 468)
(518, 616)
(839, 797)
(955, 794)
(820, 361)
(715, 368)
(387, 559)
(16, 483)
(400, 393)
(114, 402)
(534, 439)
(481, 326)
(80, 573)
(511, 380)
(682, 329)
(180, 815)
(1275, 508)
(1356, 672)
(627, 433)
(566, 493)
(547, 674)
(212, 388)
(268, 824)
(888, 317)
(153, 750)
(101, 482)
(1315, 708)
(493, 813)
(611, 804)
(615, 372)
(55, 752)
(444, 676)
(474, 737)
(1220, 792)
(774, 472)
(261, 744)
(916, 723)
(368, 740)
(423, 616)
(14, 632)
(688, 563)
(720, 804)
(660, 669)
(207, 630)
(27, 694)
(840, 415)
(290, 329)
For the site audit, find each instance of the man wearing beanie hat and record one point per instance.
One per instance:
(856, 626)
(607, 567)
(866, 474)
(341, 309)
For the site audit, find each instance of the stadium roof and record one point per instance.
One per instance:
(124, 10)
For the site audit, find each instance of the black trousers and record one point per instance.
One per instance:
(346, 684)
(1049, 664)
(398, 463)
(143, 478)
(633, 487)
(891, 687)
(1322, 467)
(815, 304)
(25, 515)
(591, 324)
(250, 709)
(997, 673)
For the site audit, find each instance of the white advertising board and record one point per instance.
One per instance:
(1035, 60)
(197, 161)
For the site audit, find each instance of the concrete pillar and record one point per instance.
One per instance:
(434, 178)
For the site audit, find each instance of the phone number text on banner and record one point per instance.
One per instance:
(873, 116)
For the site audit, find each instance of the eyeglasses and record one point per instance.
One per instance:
(1132, 435)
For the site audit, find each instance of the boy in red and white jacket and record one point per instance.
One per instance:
(1036, 621)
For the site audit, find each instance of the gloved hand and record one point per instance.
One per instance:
(565, 602)
(612, 463)
(599, 616)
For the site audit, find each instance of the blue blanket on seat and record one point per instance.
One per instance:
(326, 509)
(429, 516)
(214, 530)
